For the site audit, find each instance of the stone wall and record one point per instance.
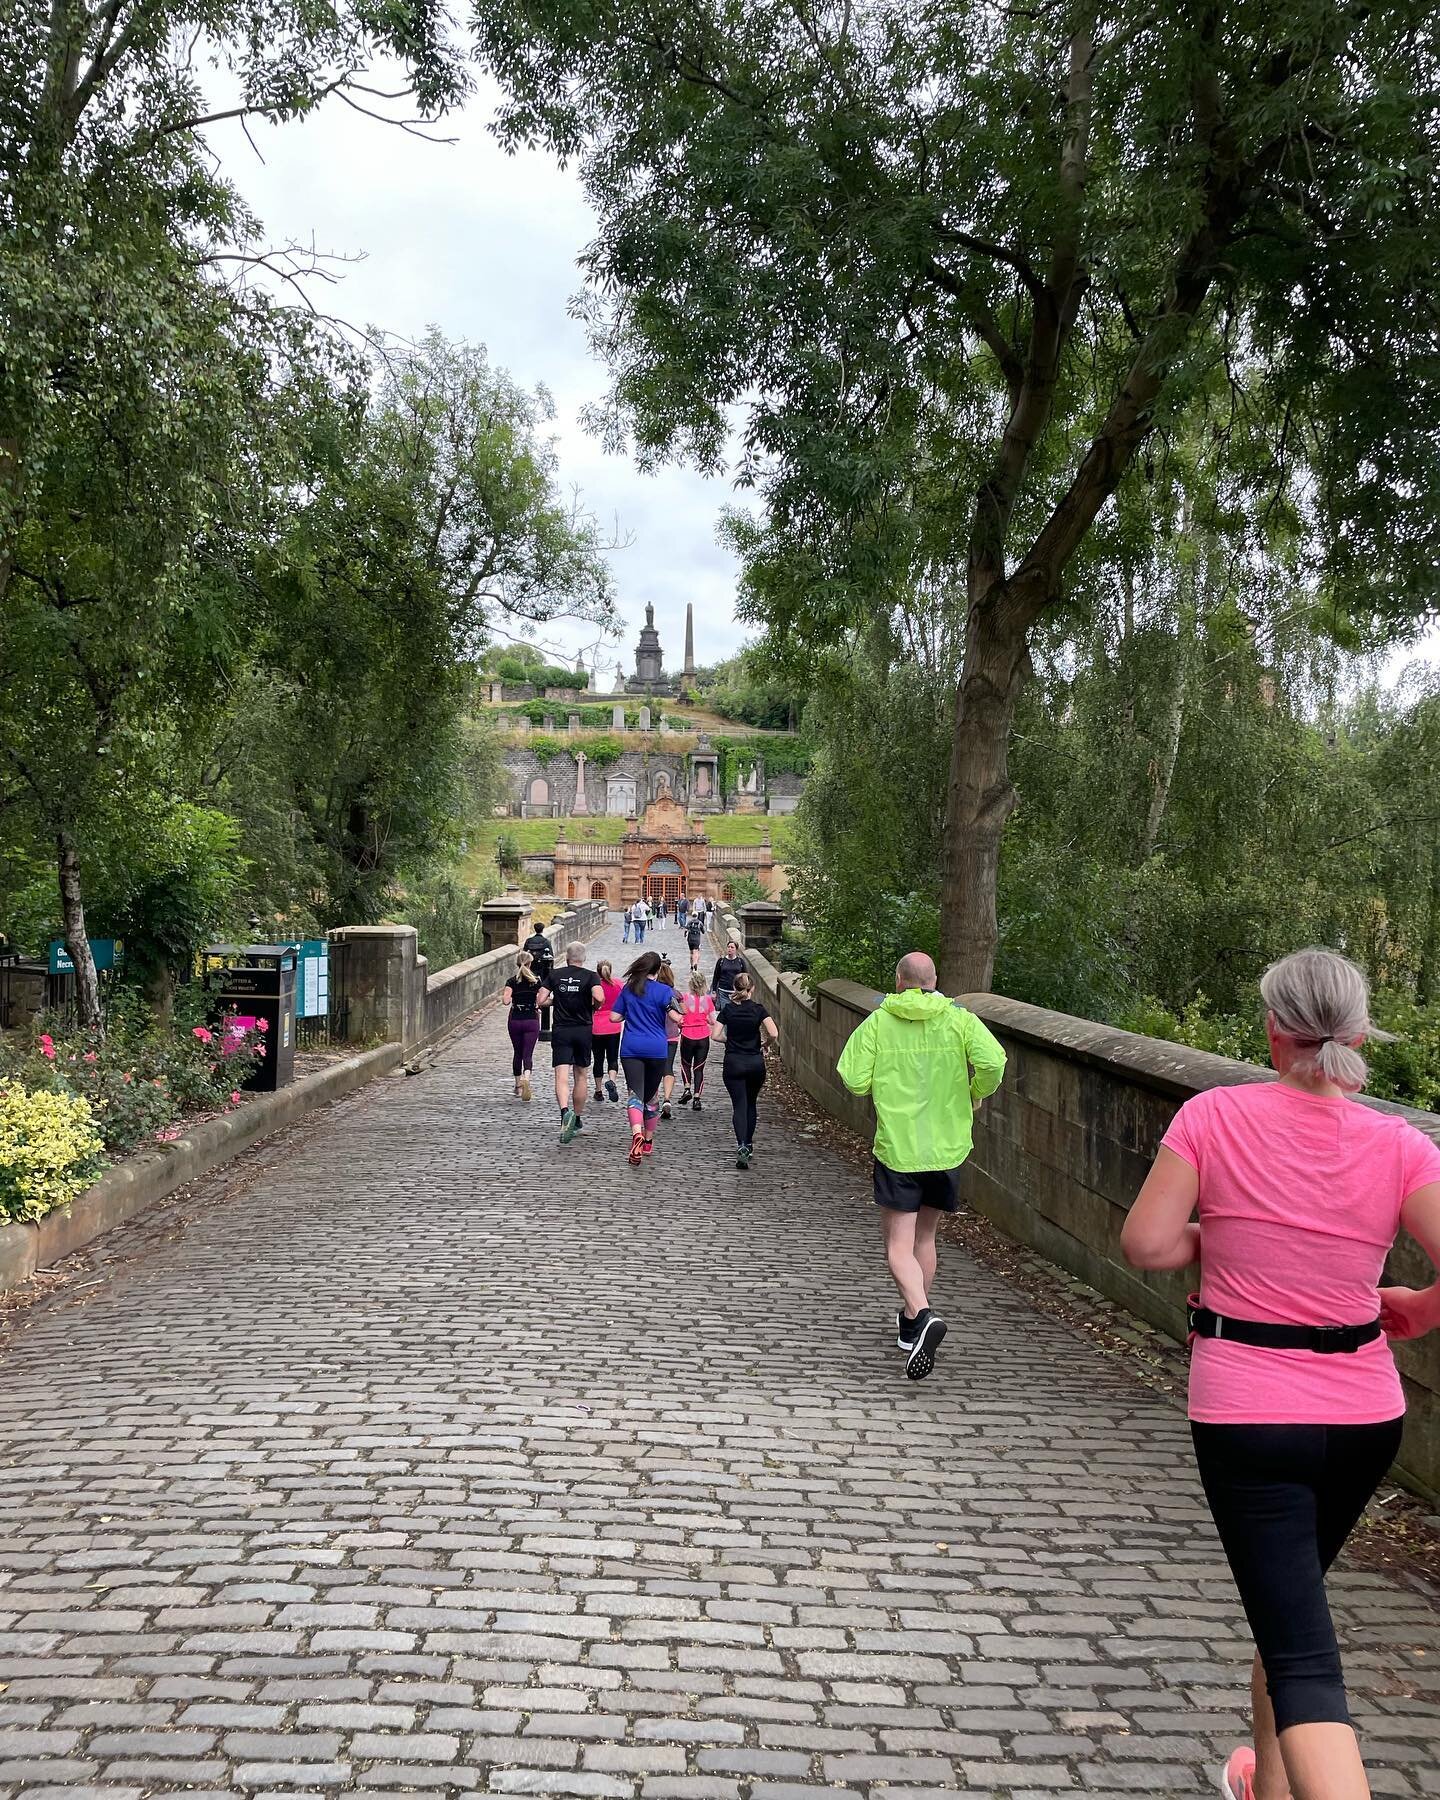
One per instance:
(393, 996)
(1062, 1148)
(639, 766)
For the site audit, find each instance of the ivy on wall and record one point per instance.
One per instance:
(737, 756)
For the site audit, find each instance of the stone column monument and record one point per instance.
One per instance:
(580, 807)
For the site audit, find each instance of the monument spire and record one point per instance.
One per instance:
(689, 670)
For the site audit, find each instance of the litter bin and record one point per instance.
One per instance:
(257, 982)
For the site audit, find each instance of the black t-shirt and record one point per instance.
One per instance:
(726, 969)
(743, 1020)
(574, 1009)
(542, 952)
(694, 935)
(523, 989)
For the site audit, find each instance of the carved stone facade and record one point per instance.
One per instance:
(665, 853)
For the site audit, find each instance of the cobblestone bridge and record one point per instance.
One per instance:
(433, 1456)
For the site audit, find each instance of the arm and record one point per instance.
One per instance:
(508, 997)
(544, 997)
(597, 997)
(1411, 1312)
(770, 1028)
(1158, 1233)
(856, 1067)
(985, 1056)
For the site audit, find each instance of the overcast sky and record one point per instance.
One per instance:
(484, 246)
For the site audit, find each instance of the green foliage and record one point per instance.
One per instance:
(507, 852)
(740, 689)
(546, 749)
(49, 1150)
(603, 752)
(744, 888)
(737, 756)
(446, 915)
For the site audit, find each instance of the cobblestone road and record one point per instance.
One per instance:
(442, 1458)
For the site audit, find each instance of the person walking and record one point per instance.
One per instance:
(745, 1026)
(606, 1034)
(626, 921)
(642, 1007)
(697, 1019)
(542, 963)
(521, 992)
(682, 911)
(925, 1062)
(1289, 1195)
(694, 937)
(727, 968)
(666, 974)
(575, 992)
(641, 916)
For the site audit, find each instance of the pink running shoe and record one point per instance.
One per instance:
(1237, 1778)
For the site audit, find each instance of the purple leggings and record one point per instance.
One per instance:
(523, 1036)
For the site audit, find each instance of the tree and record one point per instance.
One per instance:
(955, 267)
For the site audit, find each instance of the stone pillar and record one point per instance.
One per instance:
(379, 971)
(762, 921)
(580, 808)
(688, 672)
(503, 921)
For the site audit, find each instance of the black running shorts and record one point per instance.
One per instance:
(571, 1045)
(939, 1188)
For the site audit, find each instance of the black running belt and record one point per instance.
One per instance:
(1325, 1340)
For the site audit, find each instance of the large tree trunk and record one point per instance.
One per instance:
(1427, 986)
(72, 906)
(980, 798)
(1171, 730)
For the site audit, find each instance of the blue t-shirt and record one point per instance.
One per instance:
(644, 1016)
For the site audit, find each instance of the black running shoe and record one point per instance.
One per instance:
(685, 1096)
(905, 1330)
(695, 1105)
(742, 1157)
(612, 1091)
(665, 1110)
(929, 1335)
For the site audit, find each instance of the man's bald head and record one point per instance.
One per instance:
(917, 970)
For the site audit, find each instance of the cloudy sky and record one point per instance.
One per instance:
(484, 246)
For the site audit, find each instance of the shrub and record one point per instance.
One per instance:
(50, 1150)
(507, 851)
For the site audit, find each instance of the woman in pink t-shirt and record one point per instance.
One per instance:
(697, 1015)
(1295, 1404)
(605, 1035)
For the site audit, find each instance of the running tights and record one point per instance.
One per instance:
(523, 1033)
(693, 1052)
(607, 1053)
(744, 1076)
(1284, 1499)
(643, 1075)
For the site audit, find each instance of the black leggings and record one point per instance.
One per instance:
(693, 1052)
(1284, 1499)
(607, 1051)
(744, 1076)
(643, 1075)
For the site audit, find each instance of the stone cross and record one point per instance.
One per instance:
(580, 806)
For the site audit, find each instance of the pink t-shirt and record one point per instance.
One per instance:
(699, 1012)
(1300, 1199)
(605, 1023)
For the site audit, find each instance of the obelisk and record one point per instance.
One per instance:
(688, 672)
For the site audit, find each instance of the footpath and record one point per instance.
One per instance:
(441, 1458)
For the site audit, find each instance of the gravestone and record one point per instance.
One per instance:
(644, 718)
(580, 806)
(620, 796)
(522, 723)
(549, 721)
(617, 718)
(572, 724)
(497, 692)
(664, 726)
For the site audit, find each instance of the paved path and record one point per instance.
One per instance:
(439, 1457)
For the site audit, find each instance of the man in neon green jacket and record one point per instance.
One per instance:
(925, 1062)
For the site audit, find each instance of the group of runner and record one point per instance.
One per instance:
(639, 1026)
(685, 912)
(1287, 1196)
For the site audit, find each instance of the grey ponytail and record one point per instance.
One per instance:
(1321, 1001)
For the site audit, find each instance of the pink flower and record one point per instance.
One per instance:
(159, 1081)
(47, 1045)
(90, 1056)
(204, 1036)
(235, 1097)
(167, 1134)
(262, 1024)
(127, 1077)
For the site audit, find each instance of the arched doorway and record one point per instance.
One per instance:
(664, 879)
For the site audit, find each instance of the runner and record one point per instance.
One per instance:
(1295, 1405)
(696, 1020)
(745, 1026)
(727, 968)
(606, 1032)
(575, 992)
(924, 1062)
(542, 962)
(666, 974)
(694, 937)
(643, 1006)
(520, 996)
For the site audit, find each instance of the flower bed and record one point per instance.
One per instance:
(69, 1102)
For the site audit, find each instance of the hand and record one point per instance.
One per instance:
(1407, 1312)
